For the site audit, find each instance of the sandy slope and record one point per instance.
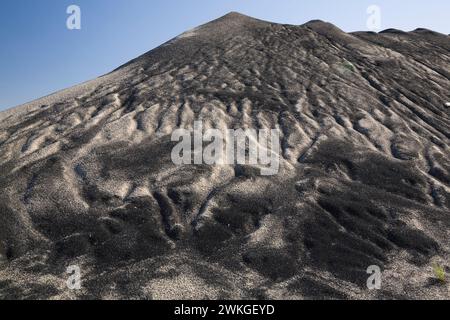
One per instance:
(87, 179)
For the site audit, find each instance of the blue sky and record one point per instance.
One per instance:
(39, 55)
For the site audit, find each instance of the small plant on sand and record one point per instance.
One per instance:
(349, 66)
(439, 273)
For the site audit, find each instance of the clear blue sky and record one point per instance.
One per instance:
(39, 55)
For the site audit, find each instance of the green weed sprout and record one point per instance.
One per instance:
(439, 272)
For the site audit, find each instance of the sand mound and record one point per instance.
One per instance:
(87, 178)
